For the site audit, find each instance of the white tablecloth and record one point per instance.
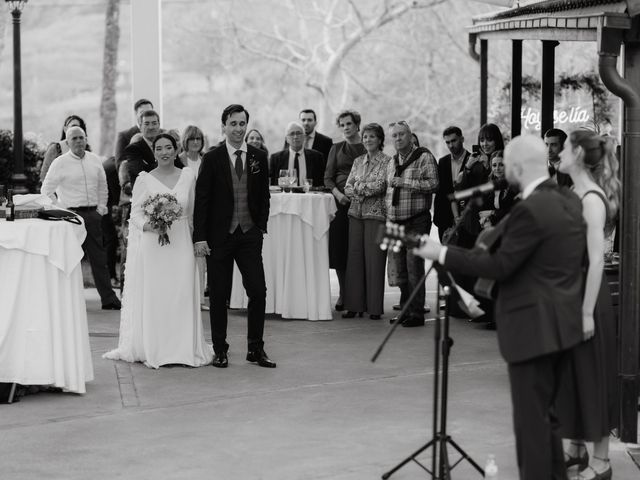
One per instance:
(44, 337)
(296, 257)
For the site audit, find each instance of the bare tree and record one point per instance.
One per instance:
(108, 107)
(338, 27)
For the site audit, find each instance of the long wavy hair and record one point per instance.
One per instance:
(600, 161)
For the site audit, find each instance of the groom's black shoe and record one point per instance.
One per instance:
(221, 360)
(260, 357)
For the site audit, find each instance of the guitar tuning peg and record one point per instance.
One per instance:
(384, 246)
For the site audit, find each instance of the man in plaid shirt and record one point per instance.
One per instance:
(412, 179)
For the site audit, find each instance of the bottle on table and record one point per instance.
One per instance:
(10, 209)
(491, 468)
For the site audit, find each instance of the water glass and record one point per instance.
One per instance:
(292, 178)
(307, 185)
(283, 178)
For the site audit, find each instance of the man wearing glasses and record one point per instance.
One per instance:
(307, 163)
(412, 178)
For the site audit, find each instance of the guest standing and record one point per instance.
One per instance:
(160, 322)
(191, 156)
(588, 397)
(255, 139)
(55, 149)
(79, 183)
(366, 188)
(123, 139)
(307, 163)
(500, 201)
(412, 177)
(449, 167)
(339, 163)
(554, 139)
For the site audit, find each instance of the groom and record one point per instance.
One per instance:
(230, 218)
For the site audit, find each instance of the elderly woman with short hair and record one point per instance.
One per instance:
(366, 188)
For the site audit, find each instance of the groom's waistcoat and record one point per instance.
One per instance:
(241, 215)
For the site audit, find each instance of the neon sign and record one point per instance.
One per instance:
(531, 117)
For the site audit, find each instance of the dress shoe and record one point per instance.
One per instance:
(581, 459)
(394, 319)
(350, 314)
(426, 308)
(260, 357)
(373, 316)
(204, 307)
(413, 322)
(221, 360)
(339, 307)
(112, 306)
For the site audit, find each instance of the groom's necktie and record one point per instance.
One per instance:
(239, 163)
(296, 164)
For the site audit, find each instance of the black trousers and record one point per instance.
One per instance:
(110, 236)
(93, 247)
(534, 385)
(246, 250)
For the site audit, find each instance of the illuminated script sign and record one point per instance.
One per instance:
(531, 117)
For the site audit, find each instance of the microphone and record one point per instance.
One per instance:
(479, 190)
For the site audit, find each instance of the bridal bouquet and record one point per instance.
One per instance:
(162, 210)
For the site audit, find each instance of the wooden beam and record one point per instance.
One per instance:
(548, 80)
(484, 76)
(516, 87)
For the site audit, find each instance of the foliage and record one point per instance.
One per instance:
(591, 83)
(33, 156)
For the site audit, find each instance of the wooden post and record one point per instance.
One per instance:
(483, 81)
(516, 87)
(146, 52)
(548, 93)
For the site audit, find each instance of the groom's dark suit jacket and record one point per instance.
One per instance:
(313, 160)
(539, 270)
(214, 194)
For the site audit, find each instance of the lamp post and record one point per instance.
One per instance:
(18, 178)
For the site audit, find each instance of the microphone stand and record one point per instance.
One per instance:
(440, 465)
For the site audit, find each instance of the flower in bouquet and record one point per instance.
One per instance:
(162, 210)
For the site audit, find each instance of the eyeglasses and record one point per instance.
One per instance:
(400, 122)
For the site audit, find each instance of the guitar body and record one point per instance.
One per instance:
(488, 241)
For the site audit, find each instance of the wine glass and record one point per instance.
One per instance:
(307, 184)
(283, 179)
(292, 178)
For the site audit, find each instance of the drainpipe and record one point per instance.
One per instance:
(472, 47)
(609, 42)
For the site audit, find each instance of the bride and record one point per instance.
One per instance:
(160, 321)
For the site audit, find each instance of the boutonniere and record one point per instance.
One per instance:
(254, 166)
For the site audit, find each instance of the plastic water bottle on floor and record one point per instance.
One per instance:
(491, 468)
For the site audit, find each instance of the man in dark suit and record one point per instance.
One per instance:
(538, 268)
(109, 232)
(139, 155)
(124, 137)
(449, 167)
(308, 163)
(554, 139)
(230, 218)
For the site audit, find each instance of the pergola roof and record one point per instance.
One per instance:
(568, 20)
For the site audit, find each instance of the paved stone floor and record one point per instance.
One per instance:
(326, 412)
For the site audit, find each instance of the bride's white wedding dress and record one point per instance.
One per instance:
(160, 320)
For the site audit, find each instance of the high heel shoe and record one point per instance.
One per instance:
(350, 314)
(581, 460)
(339, 307)
(604, 475)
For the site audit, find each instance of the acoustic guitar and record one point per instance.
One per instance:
(393, 237)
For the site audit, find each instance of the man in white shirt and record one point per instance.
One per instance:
(307, 163)
(77, 181)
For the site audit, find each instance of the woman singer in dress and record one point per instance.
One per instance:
(366, 188)
(587, 399)
(339, 163)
